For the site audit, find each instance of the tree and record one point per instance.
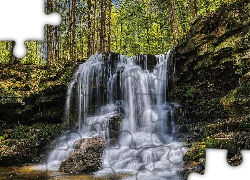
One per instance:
(89, 28)
(103, 25)
(129, 27)
(12, 57)
(109, 24)
(49, 36)
(173, 20)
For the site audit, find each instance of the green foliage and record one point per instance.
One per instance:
(34, 55)
(140, 27)
(197, 151)
(190, 91)
(137, 26)
(32, 133)
(198, 65)
(4, 52)
(212, 143)
(1, 154)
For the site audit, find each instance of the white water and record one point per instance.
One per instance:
(145, 147)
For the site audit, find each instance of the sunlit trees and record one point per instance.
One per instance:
(124, 26)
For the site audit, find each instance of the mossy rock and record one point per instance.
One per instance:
(237, 102)
(233, 124)
(197, 151)
(221, 143)
(21, 144)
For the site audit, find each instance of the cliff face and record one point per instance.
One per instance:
(212, 61)
(213, 83)
(31, 110)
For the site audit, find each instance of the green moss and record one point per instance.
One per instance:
(190, 91)
(198, 65)
(191, 44)
(34, 132)
(247, 37)
(197, 151)
(242, 91)
(231, 42)
(215, 143)
(25, 81)
(1, 154)
(236, 125)
(205, 49)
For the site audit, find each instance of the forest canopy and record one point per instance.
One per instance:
(124, 26)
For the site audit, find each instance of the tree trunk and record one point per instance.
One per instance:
(94, 28)
(57, 33)
(182, 17)
(49, 36)
(81, 40)
(73, 32)
(103, 25)
(173, 20)
(70, 29)
(89, 28)
(12, 57)
(109, 25)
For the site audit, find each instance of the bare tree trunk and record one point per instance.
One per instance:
(12, 57)
(94, 28)
(72, 54)
(49, 36)
(109, 24)
(61, 52)
(81, 40)
(57, 32)
(103, 25)
(121, 37)
(97, 47)
(173, 20)
(70, 29)
(89, 28)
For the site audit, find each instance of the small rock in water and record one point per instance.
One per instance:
(86, 158)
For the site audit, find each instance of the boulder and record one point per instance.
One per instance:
(86, 158)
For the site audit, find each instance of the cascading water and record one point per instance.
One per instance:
(144, 146)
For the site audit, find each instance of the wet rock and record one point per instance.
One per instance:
(114, 125)
(86, 158)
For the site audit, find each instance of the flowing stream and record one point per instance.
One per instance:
(145, 146)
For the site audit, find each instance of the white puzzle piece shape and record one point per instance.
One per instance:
(28, 19)
(217, 167)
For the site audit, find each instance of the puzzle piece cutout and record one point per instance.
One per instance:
(218, 168)
(30, 18)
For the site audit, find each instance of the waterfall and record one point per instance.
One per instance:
(102, 88)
